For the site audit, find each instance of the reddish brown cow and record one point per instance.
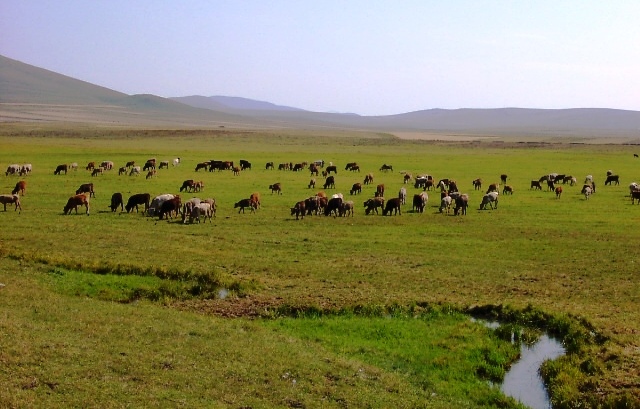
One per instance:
(202, 165)
(298, 209)
(255, 198)
(86, 188)
(169, 207)
(151, 174)
(368, 179)
(20, 187)
(74, 202)
(392, 206)
(9, 199)
(380, 190)
(91, 165)
(477, 184)
(558, 192)
(373, 204)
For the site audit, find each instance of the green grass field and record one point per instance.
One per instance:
(109, 297)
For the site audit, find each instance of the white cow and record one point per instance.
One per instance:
(25, 169)
(445, 204)
(402, 195)
(202, 209)
(135, 171)
(176, 161)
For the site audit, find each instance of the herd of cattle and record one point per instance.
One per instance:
(170, 206)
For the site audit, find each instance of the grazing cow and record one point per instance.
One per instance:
(319, 162)
(443, 184)
(612, 179)
(176, 162)
(236, 171)
(60, 169)
(74, 202)
(312, 183)
(567, 179)
(333, 206)
(420, 202)
(156, 203)
(90, 166)
(245, 164)
(355, 168)
(633, 187)
(164, 164)
(151, 174)
(386, 167)
(635, 155)
(402, 195)
(462, 202)
(313, 204)
(346, 209)
(406, 178)
(373, 204)
(331, 168)
(73, 166)
(314, 169)
(494, 187)
(97, 171)
(507, 190)
(558, 192)
(477, 184)
(86, 188)
(635, 195)
(379, 190)
(12, 169)
(136, 200)
(368, 178)
(169, 207)
(202, 165)
(283, 166)
(187, 185)
(21, 186)
(269, 166)
(188, 206)
(424, 183)
(11, 199)
(588, 179)
(503, 178)
(107, 165)
(130, 164)
(276, 187)
(330, 182)
(122, 171)
(587, 191)
(135, 170)
(149, 165)
(245, 203)
(489, 198)
(299, 209)
(356, 188)
(445, 204)
(392, 206)
(116, 200)
(298, 167)
(550, 185)
(198, 186)
(535, 185)
(25, 169)
(255, 198)
(350, 165)
(203, 209)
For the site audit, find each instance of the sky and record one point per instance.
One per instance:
(367, 57)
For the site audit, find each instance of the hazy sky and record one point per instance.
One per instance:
(367, 57)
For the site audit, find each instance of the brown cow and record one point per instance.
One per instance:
(236, 170)
(276, 187)
(122, 171)
(312, 183)
(130, 164)
(21, 186)
(508, 190)
(392, 206)
(380, 190)
(558, 192)
(503, 178)
(151, 174)
(86, 188)
(169, 207)
(330, 182)
(96, 172)
(356, 188)
(298, 209)
(373, 204)
(91, 165)
(477, 184)
(9, 199)
(255, 198)
(368, 178)
(187, 185)
(202, 165)
(198, 186)
(74, 202)
(493, 187)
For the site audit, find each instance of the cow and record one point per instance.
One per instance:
(276, 187)
(12, 169)
(299, 209)
(151, 174)
(245, 203)
(135, 170)
(188, 206)
(139, 199)
(356, 188)
(313, 168)
(11, 199)
(355, 168)
(60, 169)
(86, 188)
(386, 167)
(550, 185)
(507, 190)
(462, 202)
(420, 202)
(373, 204)
(155, 205)
(445, 204)
(588, 179)
(332, 168)
(333, 206)
(424, 183)
(567, 179)
(106, 165)
(368, 178)
(319, 163)
(283, 166)
(175, 162)
(149, 165)
(346, 209)
(535, 185)
(298, 167)
(97, 171)
(312, 183)
(236, 170)
(187, 185)
(503, 178)
(314, 204)
(379, 190)
(494, 187)
(164, 164)
(489, 199)
(122, 171)
(244, 164)
(169, 207)
(612, 179)
(130, 164)
(558, 192)
(635, 195)
(255, 199)
(21, 186)
(25, 169)
(633, 187)
(268, 166)
(74, 166)
(90, 166)
(116, 200)
(74, 201)
(330, 182)
(402, 195)
(406, 178)
(198, 186)
(477, 184)
(392, 206)
(203, 209)
(350, 165)
(443, 184)
(587, 191)
(202, 165)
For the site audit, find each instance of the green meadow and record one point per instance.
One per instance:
(260, 310)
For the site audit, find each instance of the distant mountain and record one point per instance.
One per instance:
(235, 103)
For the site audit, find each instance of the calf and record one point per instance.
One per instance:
(245, 203)
(255, 198)
(299, 209)
(236, 171)
(151, 174)
(402, 195)
(122, 171)
(96, 171)
(116, 200)
(136, 200)
(507, 190)
(312, 183)
(86, 188)
(477, 184)
(368, 179)
(392, 206)
(373, 205)
(164, 164)
(356, 188)
(60, 169)
(558, 192)
(11, 199)
(276, 187)
(74, 202)
(21, 186)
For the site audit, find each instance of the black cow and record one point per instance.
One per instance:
(138, 199)
(116, 200)
(330, 182)
(333, 206)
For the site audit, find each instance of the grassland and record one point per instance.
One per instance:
(111, 285)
